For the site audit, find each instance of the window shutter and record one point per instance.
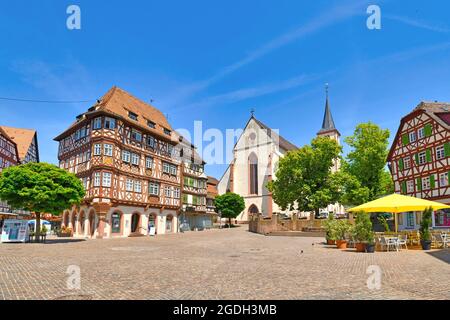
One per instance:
(404, 187)
(419, 184)
(428, 130)
(405, 139)
(432, 182)
(447, 149)
(416, 158)
(400, 164)
(428, 154)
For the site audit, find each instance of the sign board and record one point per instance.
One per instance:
(15, 231)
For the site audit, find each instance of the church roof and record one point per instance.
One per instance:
(22, 138)
(283, 143)
(328, 122)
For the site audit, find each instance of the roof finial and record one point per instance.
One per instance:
(326, 89)
(252, 112)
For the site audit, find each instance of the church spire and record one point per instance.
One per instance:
(328, 122)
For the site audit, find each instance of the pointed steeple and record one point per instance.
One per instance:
(328, 122)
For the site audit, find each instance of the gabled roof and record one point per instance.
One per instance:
(118, 102)
(439, 111)
(283, 143)
(22, 138)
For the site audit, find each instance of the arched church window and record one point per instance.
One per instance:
(253, 173)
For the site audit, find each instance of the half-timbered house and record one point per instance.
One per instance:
(17, 146)
(123, 150)
(26, 141)
(194, 215)
(419, 160)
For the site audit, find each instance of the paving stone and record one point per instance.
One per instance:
(217, 265)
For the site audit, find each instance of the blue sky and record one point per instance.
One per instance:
(215, 60)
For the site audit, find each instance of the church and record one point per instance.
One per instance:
(255, 160)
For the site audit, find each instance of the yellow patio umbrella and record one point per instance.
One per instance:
(397, 203)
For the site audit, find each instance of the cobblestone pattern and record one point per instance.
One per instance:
(217, 264)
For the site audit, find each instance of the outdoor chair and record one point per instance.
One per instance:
(402, 241)
(378, 243)
(440, 240)
(388, 243)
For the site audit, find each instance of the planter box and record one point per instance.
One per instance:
(65, 235)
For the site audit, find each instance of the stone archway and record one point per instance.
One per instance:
(91, 219)
(66, 219)
(135, 223)
(81, 222)
(117, 223)
(252, 212)
(74, 222)
(152, 222)
(169, 224)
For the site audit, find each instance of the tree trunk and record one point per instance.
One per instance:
(38, 227)
(229, 222)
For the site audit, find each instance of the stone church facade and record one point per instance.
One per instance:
(256, 156)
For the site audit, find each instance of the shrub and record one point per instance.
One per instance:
(330, 227)
(425, 224)
(363, 228)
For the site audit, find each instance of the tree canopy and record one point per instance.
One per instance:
(229, 205)
(40, 187)
(304, 180)
(367, 159)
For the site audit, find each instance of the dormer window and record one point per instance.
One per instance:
(151, 124)
(132, 115)
(167, 131)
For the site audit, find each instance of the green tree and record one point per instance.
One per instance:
(40, 188)
(367, 159)
(229, 205)
(349, 189)
(304, 180)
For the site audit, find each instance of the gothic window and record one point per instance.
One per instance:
(253, 173)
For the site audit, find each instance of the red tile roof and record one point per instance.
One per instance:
(21, 137)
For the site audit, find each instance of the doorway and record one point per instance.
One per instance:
(135, 222)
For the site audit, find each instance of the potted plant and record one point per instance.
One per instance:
(330, 229)
(343, 226)
(425, 224)
(363, 233)
(65, 232)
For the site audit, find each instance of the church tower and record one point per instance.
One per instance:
(328, 127)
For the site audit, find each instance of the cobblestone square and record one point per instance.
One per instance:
(217, 264)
